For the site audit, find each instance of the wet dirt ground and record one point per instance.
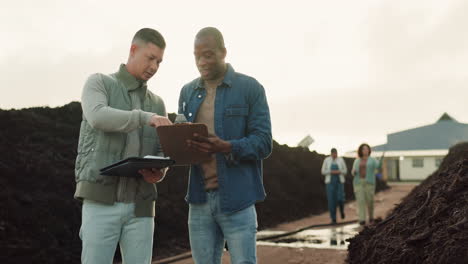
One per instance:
(331, 237)
(317, 245)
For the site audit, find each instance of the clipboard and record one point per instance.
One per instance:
(129, 167)
(173, 139)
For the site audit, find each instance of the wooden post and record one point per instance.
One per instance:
(384, 170)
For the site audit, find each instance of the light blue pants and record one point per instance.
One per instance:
(209, 229)
(103, 226)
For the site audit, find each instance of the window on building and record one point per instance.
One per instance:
(418, 163)
(438, 161)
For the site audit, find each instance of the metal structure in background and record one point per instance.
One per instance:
(306, 142)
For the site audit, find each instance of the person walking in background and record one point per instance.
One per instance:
(334, 168)
(364, 169)
(119, 116)
(222, 192)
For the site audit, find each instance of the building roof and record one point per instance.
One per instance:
(443, 134)
(446, 117)
(403, 153)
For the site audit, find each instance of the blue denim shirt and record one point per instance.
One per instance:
(241, 117)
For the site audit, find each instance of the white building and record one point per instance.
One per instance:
(416, 153)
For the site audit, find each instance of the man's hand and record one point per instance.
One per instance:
(335, 172)
(210, 144)
(153, 175)
(157, 120)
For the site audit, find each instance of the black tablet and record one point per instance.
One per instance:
(129, 167)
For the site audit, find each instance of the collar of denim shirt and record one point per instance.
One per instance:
(227, 80)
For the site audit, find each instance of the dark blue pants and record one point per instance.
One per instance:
(335, 195)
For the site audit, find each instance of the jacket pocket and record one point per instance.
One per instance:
(235, 121)
(236, 110)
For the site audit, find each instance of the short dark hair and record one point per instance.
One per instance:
(215, 33)
(361, 147)
(333, 150)
(149, 35)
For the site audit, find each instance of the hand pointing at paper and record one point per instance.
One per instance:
(157, 120)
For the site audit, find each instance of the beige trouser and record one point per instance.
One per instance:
(364, 193)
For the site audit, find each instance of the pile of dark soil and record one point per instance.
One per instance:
(429, 226)
(40, 220)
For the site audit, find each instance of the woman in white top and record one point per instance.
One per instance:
(334, 169)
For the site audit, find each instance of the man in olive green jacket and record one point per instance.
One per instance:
(119, 119)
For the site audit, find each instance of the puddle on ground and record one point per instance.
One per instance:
(334, 237)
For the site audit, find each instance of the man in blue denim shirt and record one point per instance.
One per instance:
(222, 192)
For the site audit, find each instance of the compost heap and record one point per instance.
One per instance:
(429, 226)
(40, 220)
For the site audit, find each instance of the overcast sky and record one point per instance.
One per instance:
(345, 72)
